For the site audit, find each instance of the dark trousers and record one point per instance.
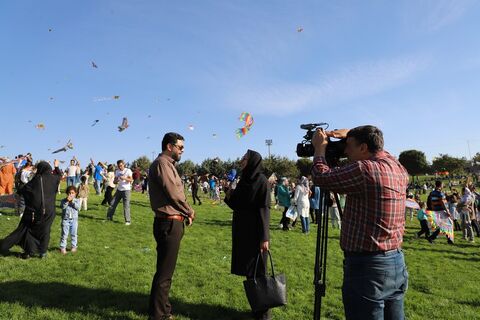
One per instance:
(168, 234)
(475, 227)
(314, 213)
(285, 221)
(195, 196)
(435, 235)
(425, 230)
(107, 199)
(457, 225)
(261, 271)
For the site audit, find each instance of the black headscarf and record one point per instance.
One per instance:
(44, 168)
(252, 190)
(32, 191)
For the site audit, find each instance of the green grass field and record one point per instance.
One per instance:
(110, 276)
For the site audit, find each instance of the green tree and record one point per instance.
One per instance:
(143, 163)
(448, 163)
(213, 166)
(186, 167)
(304, 166)
(282, 166)
(476, 158)
(414, 161)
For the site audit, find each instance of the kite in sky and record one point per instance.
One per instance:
(214, 135)
(248, 119)
(124, 124)
(40, 126)
(191, 127)
(95, 122)
(94, 65)
(99, 99)
(69, 145)
(2, 146)
(299, 29)
(49, 30)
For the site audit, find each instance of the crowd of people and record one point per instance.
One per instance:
(372, 188)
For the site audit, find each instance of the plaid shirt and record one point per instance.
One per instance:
(374, 215)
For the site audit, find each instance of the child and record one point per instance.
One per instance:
(83, 193)
(70, 207)
(465, 209)
(422, 217)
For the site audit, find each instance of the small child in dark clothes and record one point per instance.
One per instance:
(422, 217)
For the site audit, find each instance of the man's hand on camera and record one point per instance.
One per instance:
(337, 133)
(319, 142)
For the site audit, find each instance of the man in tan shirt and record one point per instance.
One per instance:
(168, 202)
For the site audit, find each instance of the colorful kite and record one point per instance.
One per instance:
(40, 126)
(248, 119)
(69, 145)
(440, 219)
(124, 125)
(410, 203)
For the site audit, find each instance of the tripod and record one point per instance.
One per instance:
(320, 270)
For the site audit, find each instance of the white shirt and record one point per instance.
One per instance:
(72, 171)
(123, 185)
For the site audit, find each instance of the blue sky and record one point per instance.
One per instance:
(411, 68)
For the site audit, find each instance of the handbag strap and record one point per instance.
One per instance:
(43, 196)
(256, 265)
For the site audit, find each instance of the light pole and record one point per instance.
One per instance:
(269, 142)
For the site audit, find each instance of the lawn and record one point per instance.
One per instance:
(110, 276)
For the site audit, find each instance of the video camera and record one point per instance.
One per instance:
(335, 149)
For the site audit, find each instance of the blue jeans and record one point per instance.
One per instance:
(98, 186)
(305, 224)
(69, 226)
(374, 286)
(71, 181)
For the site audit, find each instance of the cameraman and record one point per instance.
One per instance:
(375, 274)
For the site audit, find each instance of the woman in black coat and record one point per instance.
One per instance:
(250, 202)
(33, 231)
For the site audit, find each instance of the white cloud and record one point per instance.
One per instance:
(359, 81)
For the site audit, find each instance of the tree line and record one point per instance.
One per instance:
(414, 161)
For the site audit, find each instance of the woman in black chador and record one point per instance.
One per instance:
(33, 231)
(250, 202)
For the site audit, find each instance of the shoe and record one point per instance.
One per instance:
(63, 251)
(109, 219)
(42, 255)
(74, 249)
(127, 223)
(25, 256)
(430, 240)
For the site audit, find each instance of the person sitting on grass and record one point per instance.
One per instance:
(70, 208)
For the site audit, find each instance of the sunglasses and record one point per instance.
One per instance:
(179, 147)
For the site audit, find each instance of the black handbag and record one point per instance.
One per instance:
(266, 291)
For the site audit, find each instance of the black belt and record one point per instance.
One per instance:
(370, 253)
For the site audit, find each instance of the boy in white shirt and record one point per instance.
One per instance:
(123, 179)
